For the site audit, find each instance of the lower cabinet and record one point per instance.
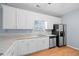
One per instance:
(11, 51)
(38, 44)
(22, 47)
(28, 46)
(33, 45)
(42, 43)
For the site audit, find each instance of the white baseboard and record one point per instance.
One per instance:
(73, 47)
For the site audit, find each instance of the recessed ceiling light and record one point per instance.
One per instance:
(49, 3)
(37, 5)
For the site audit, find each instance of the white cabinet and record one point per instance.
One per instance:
(52, 20)
(11, 51)
(24, 19)
(9, 17)
(27, 46)
(16, 49)
(33, 45)
(21, 19)
(22, 47)
(49, 20)
(49, 25)
(38, 44)
(43, 43)
(14, 18)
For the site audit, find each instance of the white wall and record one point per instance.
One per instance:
(72, 21)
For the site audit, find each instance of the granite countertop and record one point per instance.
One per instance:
(7, 41)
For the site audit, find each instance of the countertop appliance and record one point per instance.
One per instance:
(52, 41)
(58, 30)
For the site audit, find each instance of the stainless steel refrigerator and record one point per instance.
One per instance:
(59, 31)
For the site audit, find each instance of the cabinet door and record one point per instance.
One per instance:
(33, 45)
(21, 19)
(25, 47)
(43, 43)
(22, 47)
(16, 49)
(52, 20)
(49, 25)
(9, 17)
(10, 51)
(24, 19)
(40, 44)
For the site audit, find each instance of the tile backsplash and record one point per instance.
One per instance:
(21, 32)
(15, 31)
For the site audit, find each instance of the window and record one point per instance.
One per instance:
(39, 25)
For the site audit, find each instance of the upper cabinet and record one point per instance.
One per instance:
(24, 19)
(49, 20)
(52, 20)
(9, 17)
(15, 18)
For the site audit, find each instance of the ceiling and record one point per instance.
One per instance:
(54, 9)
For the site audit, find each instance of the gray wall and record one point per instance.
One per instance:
(72, 21)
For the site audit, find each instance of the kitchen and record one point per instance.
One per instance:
(23, 31)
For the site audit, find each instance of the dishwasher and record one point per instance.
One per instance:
(52, 41)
